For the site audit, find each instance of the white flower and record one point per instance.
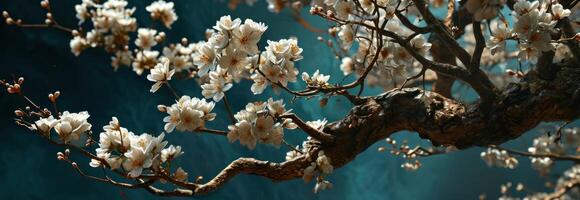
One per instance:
(292, 154)
(420, 45)
(180, 175)
(559, 12)
(188, 114)
(124, 57)
(499, 37)
(344, 9)
(484, 9)
(347, 65)
(540, 40)
(218, 84)
(137, 160)
(145, 60)
(317, 79)
(170, 153)
(529, 53)
(242, 131)
(78, 44)
(323, 163)
(276, 107)
(70, 126)
(234, 60)
(247, 36)
(204, 58)
(309, 172)
(318, 124)
(160, 74)
(226, 24)
(218, 40)
(263, 126)
(523, 7)
(45, 124)
(146, 38)
(322, 185)
(163, 11)
(346, 36)
(260, 83)
(499, 158)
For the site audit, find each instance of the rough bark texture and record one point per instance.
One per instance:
(444, 121)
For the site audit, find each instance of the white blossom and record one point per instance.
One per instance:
(188, 114)
(499, 158)
(160, 74)
(226, 24)
(347, 65)
(247, 36)
(170, 153)
(218, 84)
(205, 59)
(559, 12)
(44, 125)
(163, 11)
(145, 60)
(317, 79)
(78, 44)
(71, 126)
(323, 163)
(146, 38)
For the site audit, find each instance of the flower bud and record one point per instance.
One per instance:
(9, 21)
(48, 21)
(381, 149)
(510, 72)
(74, 164)
(19, 113)
(49, 15)
(75, 33)
(184, 41)
(162, 108)
(67, 152)
(20, 80)
(44, 4)
(5, 14)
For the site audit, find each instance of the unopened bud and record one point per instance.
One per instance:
(162, 108)
(198, 179)
(184, 41)
(49, 15)
(381, 149)
(44, 4)
(19, 113)
(510, 72)
(20, 80)
(74, 164)
(75, 33)
(5, 14)
(9, 21)
(48, 21)
(14, 89)
(51, 97)
(60, 156)
(67, 152)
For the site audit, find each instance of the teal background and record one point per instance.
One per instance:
(29, 168)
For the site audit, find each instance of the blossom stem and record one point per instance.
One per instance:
(229, 109)
(172, 90)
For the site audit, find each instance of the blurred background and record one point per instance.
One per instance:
(29, 168)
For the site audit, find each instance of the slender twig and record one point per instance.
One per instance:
(229, 109)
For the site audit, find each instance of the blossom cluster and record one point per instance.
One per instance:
(320, 167)
(188, 114)
(228, 54)
(277, 64)
(534, 23)
(260, 122)
(111, 26)
(69, 126)
(133, 153)
(499, 158)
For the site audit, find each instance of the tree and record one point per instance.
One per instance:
(397, 45)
